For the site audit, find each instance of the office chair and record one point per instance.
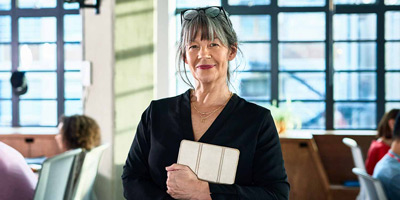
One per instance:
(373, 186)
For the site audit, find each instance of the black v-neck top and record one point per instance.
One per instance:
(241, 124)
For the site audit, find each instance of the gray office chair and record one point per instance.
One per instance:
(373, 186)
(54, 177)
(359, 163)
(83, 190)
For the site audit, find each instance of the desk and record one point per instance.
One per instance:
(30, 145)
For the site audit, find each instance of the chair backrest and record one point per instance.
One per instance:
(356, 152)
(88, 172)
(373, 185)
(54, 177)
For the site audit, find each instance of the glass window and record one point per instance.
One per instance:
(36, 4)
(392, 2)
(392, 105)
(253, 85)
(5, 27)
(5, 113)
(41, 85)
(355, 2)
(71, 6)
(355, 115)
(354, 55)
(354, 27)
(5, 86)
(72, 28)
(252, 27)
(248, 2)
(355, 86)
(301, 26)
(73, 56)
(5, 5)
(302, 86)
(38, 113)
(392, 86)
(73, 85)
(37, 29)
(256, 56)
(73, 107)
(392, 58)
(301, 56)
(301, 3)
(311, 114)
(37, 57)
(5, 57)
(392, 25)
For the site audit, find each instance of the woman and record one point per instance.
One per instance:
(381, 146)
(208, 113)
(78, 131)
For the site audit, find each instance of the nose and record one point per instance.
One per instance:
(204, 53)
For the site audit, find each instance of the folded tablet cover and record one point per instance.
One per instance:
(212, 163)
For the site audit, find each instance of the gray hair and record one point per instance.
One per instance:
(210, 28)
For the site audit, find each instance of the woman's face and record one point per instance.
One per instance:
(208, 60)
(59, 139)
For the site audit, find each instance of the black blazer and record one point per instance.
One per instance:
(241, 124)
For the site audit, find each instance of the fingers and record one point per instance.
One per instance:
(175, 167)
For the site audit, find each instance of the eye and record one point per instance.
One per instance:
(214, 44)
(193, 46)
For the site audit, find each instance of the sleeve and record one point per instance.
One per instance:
(269, 174)
(372, 159)
(136, 179)
(395, 187)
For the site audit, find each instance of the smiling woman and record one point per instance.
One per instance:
(208, 113)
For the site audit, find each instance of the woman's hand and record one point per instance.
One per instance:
(182, 183)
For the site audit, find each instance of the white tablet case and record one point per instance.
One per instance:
(212, 163)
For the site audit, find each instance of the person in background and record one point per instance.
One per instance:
(17, 180)
(388, 168)
(78, 131)
(381, 146)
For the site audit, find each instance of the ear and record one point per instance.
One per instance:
(184, 58)
(232, 52)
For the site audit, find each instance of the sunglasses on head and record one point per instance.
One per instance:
(212, 11)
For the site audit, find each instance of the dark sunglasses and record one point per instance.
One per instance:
(212, 11)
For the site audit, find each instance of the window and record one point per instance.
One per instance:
(43, 39)
(339, 71)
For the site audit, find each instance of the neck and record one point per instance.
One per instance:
(210, 95)
(396, 146)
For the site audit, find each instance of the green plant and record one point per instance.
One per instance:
(284, 117)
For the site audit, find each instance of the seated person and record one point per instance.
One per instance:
(17, 180)
(381, 146)
(78, 131)
(388, 168)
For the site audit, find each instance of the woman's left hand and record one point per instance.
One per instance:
(182, 183)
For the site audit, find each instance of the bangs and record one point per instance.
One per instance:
(207, 28)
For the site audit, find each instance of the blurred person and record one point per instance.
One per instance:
(17, 180)
(387, 170)
(381, 145)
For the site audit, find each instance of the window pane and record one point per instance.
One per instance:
(73, 85)
(38, 113)
(355, 116)
(354, 27)
(354, 55)
(72, 28)
(72, 56)
(5, 86)
(392, 105)
(301, 56)
(311, 115)
(5, 57)
(392, 86)
(5, 27)
(5, 113)
(392, 2)
(252, 27)
(37, 29)
(71, 6)
(301, 3)
(38, 57)
(256, 56)
(392, 52)
(5, 5)
(301, 26)
(181, 86)
(356, 2)
(37, 4)
(355, 86)
(302, 86)
(392, 25)
(262, 104)
(256, 86)
(248, 2)
(41, 86)
(73, 108)
(195, 4)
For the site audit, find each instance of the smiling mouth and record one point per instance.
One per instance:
(205, 66)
